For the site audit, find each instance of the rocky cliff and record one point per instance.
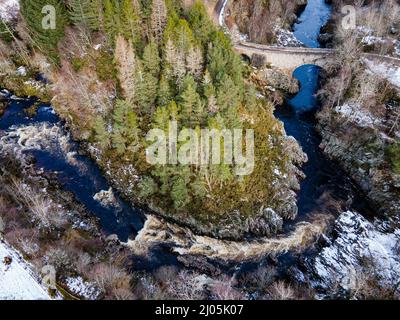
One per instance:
(363, 140)
(361, 262)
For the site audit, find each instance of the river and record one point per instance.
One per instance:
(82, 177)
(298, 116)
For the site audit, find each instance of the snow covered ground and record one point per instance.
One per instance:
(357, 114)
(286, 38)
(384, 70)
(16, 280)
(8, 8)
(82, 288)
(359, 240)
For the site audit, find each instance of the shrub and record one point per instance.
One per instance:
(259, 279)
(393, 154)
(186, 286)
(281, 291)
(223, 289)
(111, 279)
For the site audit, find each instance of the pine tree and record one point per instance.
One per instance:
(200, 23)
(164, 95)
(209, 93)
(183, 36)
(179, 193)
(158, 19)
(126, 129)
(122, 17)
(95, 15)
(194, 62)
(146, 8)
(146, 90)
(163, 115)
(109, 20)
(101, 135)
(151, 59)
(78, 9)
(190, 103)
(45, 39)
(130, 21)
(126, 65)
(216, 62)
(86, 12)
(160, 118)
(228, 95)
(175, 63)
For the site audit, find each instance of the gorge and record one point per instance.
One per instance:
(298, 237)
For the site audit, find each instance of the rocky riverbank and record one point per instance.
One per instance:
(362, 134)
(265, 22)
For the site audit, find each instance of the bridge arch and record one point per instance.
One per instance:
(284, 58)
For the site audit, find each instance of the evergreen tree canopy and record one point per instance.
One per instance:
(45, 25)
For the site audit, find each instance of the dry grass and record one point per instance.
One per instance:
(41, 208)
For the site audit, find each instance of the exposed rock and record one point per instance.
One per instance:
(325, 39)
(279, 80)
(361, 247)
(106, 198)
(358, 139)
(7, 260)
(112, 238)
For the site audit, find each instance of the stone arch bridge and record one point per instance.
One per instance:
(288, 58)
(284, 58)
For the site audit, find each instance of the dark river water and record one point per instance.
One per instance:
(83, 178)
(298, 116)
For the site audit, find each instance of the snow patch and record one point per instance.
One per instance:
(21, 71)
(17, 281)
(8, 9)
(286, 38)
(82, 288)
(357, 114)
(386, 71)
